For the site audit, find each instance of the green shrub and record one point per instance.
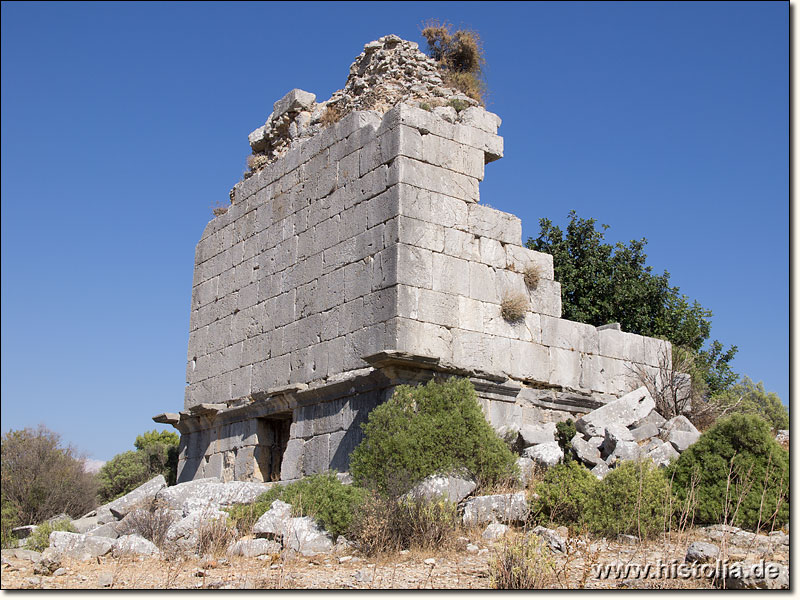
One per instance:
(156, 454)
(739, 472)
(458, 104)
(632, 499)
(563, 494)
(321, 496)
(8, 520)
(565, 431)
(40, 538)
(434, 428)
(385, 524)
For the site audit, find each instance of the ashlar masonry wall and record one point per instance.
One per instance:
(361, 260)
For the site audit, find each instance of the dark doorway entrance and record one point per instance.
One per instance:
(273, 436)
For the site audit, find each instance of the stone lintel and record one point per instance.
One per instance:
(167, 418)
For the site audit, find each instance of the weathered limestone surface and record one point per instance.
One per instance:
(366, 238)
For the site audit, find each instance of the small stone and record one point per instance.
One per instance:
(526, 467)
(600, 470)
(614, 435)
(681, 440)
(451, 487)
(105, 580)
(532, 435)
(701, 552)
(679, 423)
(472, 548)
(59, 572)
(646, 431)
(344, 559)
(555, 542)
(545, 455)
(363, 576)
(494, 531)
(429, 561)
(758, 576)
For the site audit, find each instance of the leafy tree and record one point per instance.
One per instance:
(161, 450)
(123, 473)
(156, 453)
(603, 283)
(751, 398)
(737, 472)
(433, 428)
(42, 478)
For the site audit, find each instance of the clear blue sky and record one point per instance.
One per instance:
(123, 124)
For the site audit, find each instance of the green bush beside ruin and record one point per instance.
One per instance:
(434, 428)
(738, 473)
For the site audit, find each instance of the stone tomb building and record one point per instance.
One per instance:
(356, 257)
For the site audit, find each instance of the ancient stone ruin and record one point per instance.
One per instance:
(355, 257)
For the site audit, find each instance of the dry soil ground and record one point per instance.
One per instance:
(455, 569)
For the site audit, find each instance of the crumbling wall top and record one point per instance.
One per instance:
(389, 71)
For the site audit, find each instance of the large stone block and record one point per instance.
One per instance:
(296, 100)
(498, 225)
(503, 508)
(565, 368)
(421, 234)
(561, 333)
(427, 306)
(435, 179)
(621, 345)
(529, 361)
(292, 463)
(316, 458)
(624, 411)
(423, 338)
(453, 156)
(426, 205)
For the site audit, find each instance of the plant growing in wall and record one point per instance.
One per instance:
(460, 57)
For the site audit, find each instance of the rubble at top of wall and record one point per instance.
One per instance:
(389, 71)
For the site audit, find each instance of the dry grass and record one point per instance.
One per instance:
(386, 525)
(219, 209)
(331, 115)
(214, 537)
(513, 307)
(468, 83)
(460, 57)
(531, 275)
(257, 161)
(523, 563)
(151, 521)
